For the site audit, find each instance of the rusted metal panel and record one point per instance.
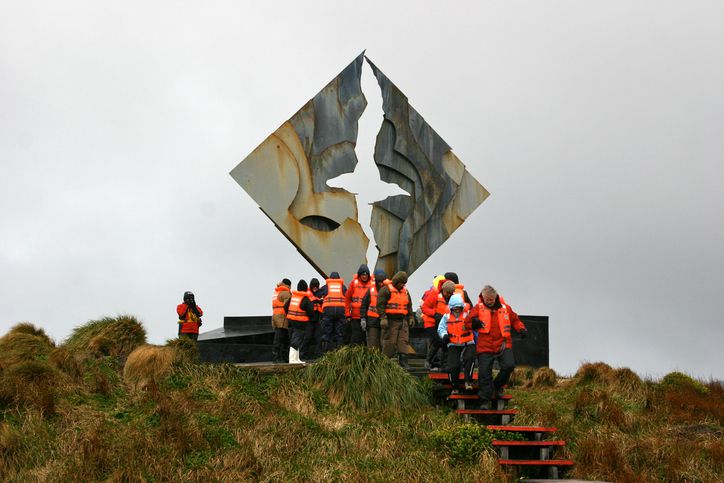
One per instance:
(287, 176)
(442, 193)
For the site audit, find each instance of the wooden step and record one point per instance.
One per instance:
(502, 442)
(536, 462)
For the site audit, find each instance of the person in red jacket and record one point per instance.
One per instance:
(189, 317)
(433, 307)
(358, 287)
(492, 318)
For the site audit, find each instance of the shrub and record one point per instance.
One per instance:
(544, 377)
(112, 336)
(366, 380)
(463, 443)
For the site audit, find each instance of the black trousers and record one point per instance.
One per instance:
(333, 329)
(454, 353)
(357, 336)
(280, 348)
(487, 385)
(436, 344)
(309, 344)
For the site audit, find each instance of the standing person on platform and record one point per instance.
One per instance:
(333, 319)
(492, 318)
(396, 317)
(369, 317)
(300, 311)
(280, 347)
(189, 317)
(459, 339)
(434, 306)
(459, 288)
(312, 335)
(358, 287)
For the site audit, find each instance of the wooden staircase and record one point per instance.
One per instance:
(534, 456)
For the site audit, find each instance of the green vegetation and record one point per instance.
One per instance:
(134, 412)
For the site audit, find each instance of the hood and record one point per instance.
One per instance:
(437, 281)
(334, 275)
(456, 301)
(453, 277)
(399, 277)
(380, 275)
(314, 284)
(363, 269)
(302, 286)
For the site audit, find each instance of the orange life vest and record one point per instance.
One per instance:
(277, 306)
(372, 309)
(313, 298)
(486, 316)
(456, 329)
(295, 312)
(335, 293)
(460, 290)
(358, 289)
(398, 301)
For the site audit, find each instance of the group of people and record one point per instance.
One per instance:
(377, 311)
(313, 319)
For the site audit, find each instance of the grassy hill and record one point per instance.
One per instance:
(104, 406)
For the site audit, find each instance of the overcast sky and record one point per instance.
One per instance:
(598, 128)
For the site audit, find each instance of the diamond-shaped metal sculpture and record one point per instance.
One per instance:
(287, 176)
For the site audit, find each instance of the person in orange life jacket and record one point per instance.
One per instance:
(358, 287)
(310, 345)
(189, 317)
(369, 318)
(280, 299)
(459, 288)
(396, 317)
(333, 319)
(317, 300)
(300, 310)
(459, 340)
(492, 318)
(434, 306)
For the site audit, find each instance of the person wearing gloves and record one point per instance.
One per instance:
(300, 311)
(492, 318)
(459, 340)
(334, 323)
(369, 318)
(358, 287)
(396, 317)
(280, 299)
(189, 317)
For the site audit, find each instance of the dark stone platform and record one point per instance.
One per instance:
(249, 339)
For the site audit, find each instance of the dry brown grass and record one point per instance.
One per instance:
(544, 377)
(595, 405)
(29, 384)
(521, 376)
(601, 455)
(65, 361)
(147, 365)
(599, 372)
(109, 336)
(689, 405)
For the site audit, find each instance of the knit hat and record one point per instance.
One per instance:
(287, 282)
(453, 277)
(447, 287)
(302, 286)
(380, 275)
(399, 277)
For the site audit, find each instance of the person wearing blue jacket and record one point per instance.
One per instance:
(460, 343)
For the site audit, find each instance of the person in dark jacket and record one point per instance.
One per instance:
(300, 311)
(313, 333)
(369, 318)
(333, 320)
(317, 300)
(396, 317)
(189, 317)
(459, 288)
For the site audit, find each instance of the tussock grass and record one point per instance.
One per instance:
(29, 383)
(148, 364)
(544, 377)
(365, 380)
(23, 343)
(109, 336)
(594, 372)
